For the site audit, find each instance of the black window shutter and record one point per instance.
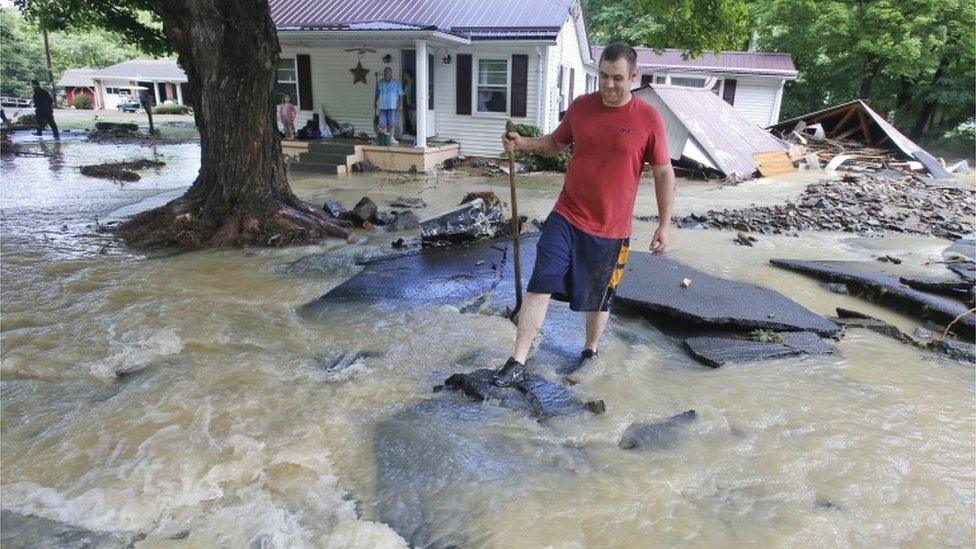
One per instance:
(729, 93)
(305, 102)
(572, 84)
(463, 88)
(520, 84)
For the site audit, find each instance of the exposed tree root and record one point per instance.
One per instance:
(179, 224)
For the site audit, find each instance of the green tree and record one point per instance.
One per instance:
(910, 58)
(690, 25)
(229, 51)
(21, 58)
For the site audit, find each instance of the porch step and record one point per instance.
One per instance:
(323, 158)
(329, 147)
(316, 167)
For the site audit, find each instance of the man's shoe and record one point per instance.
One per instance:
(511, 373)
(585, 357)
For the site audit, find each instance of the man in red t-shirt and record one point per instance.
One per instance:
(584, 243)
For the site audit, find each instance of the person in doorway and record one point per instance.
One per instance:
(584, 244)
(43, 110)
(286, 113)
(409, 104)
(388, 100)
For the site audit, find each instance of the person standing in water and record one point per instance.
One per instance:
(584, 244)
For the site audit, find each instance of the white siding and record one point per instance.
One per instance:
(563, 56)
(332, 85)
(480, 134)
(756, 99)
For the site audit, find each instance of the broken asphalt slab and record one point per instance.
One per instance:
(718, 350)
(879, 286)
(653, 284)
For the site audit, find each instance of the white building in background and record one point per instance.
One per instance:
(162, 78)
(751, 81)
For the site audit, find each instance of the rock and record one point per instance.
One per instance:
(431, 453)
(956, 350)
(336, 209)
(887, 289)
(719, 351)
(648, 285)
(452, 163)
(686, 283)
(966, 269)
(888, 258)
(364, 210)
(382, 218)
(25, 531)
(490, 199)
(477, 162)
(364, 166)
(744, 239)
(657, 435)
(408, 202)
(540, 398)
(473, 220)
(405, 221)
(835, 287)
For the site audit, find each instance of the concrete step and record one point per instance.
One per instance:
(315, 167)
(328, 147)
(323, 158)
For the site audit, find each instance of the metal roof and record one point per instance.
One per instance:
(718, 131)
(744, 62)
(143, 69)
(77, 78)
(481, 19)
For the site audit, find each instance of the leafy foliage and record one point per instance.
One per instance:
(22, 50)
(556, 163)
(690, 25)
(82, 101)
(170, 109)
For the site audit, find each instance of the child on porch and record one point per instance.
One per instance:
(286, 112)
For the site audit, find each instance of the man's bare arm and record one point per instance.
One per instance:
(664, 191)
(544, 146)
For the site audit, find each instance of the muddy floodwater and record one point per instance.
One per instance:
(182, 400)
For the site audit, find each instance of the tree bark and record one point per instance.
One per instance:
(229, 51)
(929, 105)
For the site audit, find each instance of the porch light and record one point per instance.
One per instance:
(447, 59)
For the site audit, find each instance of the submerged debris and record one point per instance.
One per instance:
(861, 204)
(120, 171)
(478, 217)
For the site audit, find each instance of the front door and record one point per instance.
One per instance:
(409, 58)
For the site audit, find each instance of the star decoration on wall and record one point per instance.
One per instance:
(359, 73)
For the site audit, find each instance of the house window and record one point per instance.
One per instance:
(287, 80)
(660, 79)
(691, 82)
(492, 88)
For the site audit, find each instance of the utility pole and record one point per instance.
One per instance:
(50, 73)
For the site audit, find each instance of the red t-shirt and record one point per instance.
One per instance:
(610, 146)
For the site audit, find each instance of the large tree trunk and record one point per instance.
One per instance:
(229, 50)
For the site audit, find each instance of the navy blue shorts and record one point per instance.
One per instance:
(577, 267)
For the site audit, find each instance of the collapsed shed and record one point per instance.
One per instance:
(856, 120)
(706, 130)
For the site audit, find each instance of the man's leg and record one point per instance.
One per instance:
(531, 316)
(596, 322)
(54, 126)
(39, 121)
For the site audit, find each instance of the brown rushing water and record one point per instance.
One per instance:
(227, 427)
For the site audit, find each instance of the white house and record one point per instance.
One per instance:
(476, 64)
(162, 78)
(752, 82)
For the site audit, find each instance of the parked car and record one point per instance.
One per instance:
(128, 105)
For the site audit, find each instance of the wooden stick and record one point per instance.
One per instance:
(510, 128)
